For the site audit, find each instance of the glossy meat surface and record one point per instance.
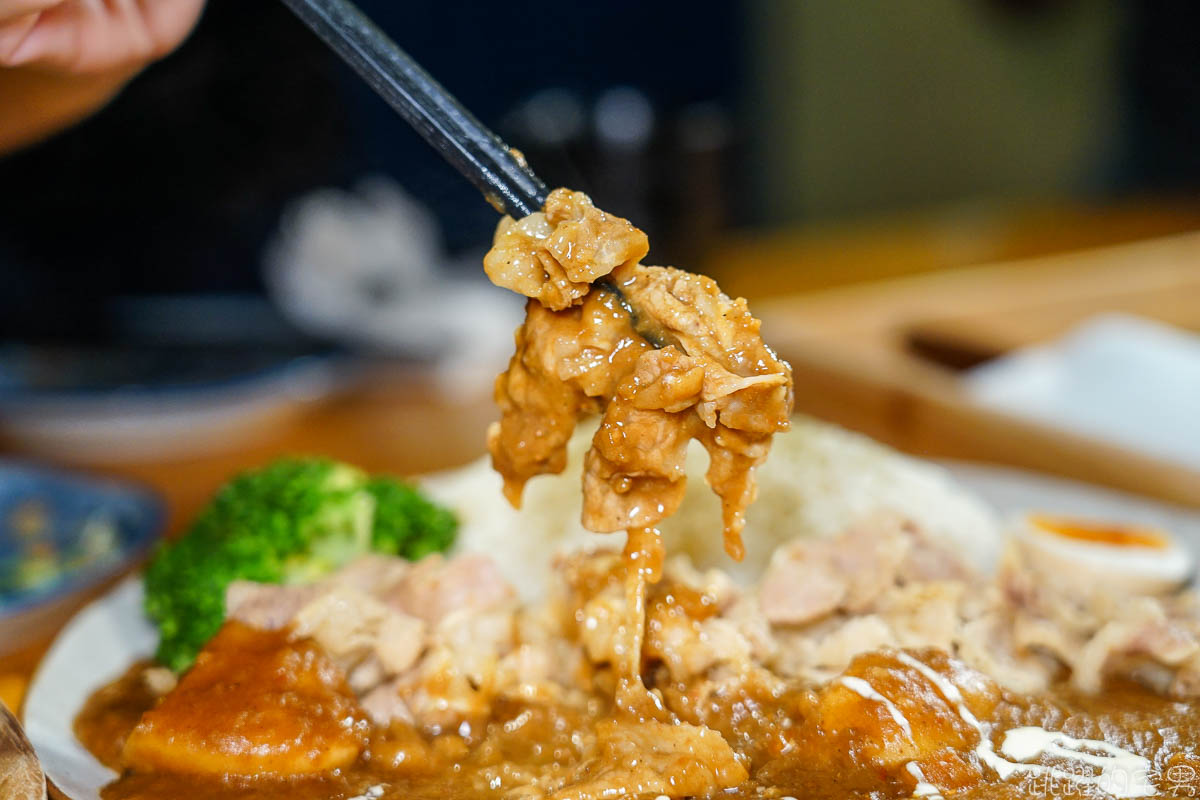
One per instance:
(554, 255)
(567, 363)
(713, 380)
(255, 703)
(661, 353)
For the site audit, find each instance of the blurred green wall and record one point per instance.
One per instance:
(864, 107)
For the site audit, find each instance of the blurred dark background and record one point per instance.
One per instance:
(692, 118)
(178, 184)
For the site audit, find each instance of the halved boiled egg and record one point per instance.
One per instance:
(1107, 556)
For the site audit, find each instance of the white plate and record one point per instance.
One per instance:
(96, 646)
(1012, 492)
(111, 633)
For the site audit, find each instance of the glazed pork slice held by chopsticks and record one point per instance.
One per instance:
(661, 352)
(667, 360)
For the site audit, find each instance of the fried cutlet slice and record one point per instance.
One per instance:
(254, 704)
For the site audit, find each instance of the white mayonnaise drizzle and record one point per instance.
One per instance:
(924, 787)
(867, 691)
(1122, 774)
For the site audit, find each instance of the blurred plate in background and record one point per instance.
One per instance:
(171, 378)
(120, 405)
(60, 535)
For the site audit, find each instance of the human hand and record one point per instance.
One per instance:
(88, 37)
(60, 60)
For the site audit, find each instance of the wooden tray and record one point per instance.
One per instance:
(880, 357)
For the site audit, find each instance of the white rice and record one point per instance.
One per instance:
(819, 479)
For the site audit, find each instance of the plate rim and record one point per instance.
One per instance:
(126, 595)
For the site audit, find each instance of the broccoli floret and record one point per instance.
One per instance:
(292, 521)
(406, 523)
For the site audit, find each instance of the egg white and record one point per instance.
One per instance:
(1133, 569)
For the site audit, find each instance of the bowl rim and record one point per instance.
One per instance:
(140, 537)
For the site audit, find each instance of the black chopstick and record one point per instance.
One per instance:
(503, 177)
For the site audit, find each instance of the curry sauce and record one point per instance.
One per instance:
(785, 736)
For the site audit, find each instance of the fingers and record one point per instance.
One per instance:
(13, 34)
(17, 19)
(11, 10)
(53, 38)
(86, 36)
(169, 21)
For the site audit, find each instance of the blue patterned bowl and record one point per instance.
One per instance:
(62, 533)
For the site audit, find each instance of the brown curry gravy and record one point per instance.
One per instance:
(766, 728)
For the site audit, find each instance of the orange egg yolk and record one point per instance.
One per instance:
(1113, 534)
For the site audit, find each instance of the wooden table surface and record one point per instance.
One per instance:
(393, 421)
